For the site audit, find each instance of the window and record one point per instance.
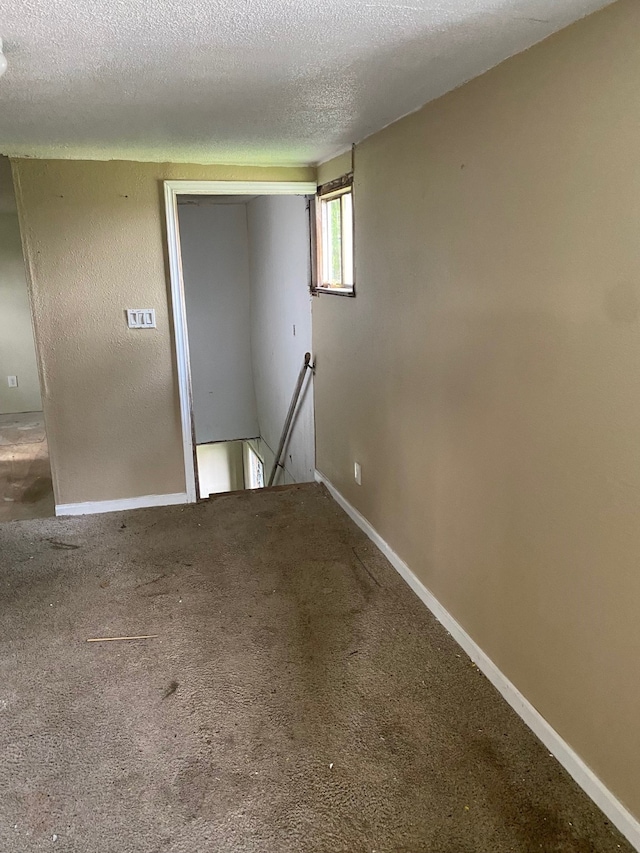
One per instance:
(334, 238)
(254, 469)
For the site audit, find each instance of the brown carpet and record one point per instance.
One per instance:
(26, 490)
(298, 696)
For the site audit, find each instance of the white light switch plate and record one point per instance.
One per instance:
(141, 318)
(12, 381)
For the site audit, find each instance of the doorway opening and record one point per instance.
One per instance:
(26, 489)
(228, 466)
(240, 257)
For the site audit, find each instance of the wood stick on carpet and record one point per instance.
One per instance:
(116, 639)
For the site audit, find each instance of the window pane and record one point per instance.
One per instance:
(325, 242)
(332, 241)
(347, 239)
(257, 470)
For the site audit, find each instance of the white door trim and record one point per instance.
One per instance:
(172, 189)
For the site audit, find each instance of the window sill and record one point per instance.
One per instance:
(335, 291)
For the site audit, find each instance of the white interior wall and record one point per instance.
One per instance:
(279, 259)
(17, 350)
(215, 268)
(220, 467)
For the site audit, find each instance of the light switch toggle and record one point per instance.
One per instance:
(141, 318)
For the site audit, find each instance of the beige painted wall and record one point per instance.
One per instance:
(17, 353)
(487, 375)
(335, 168)
(95, 245)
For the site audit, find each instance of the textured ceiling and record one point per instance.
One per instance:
(242, 81)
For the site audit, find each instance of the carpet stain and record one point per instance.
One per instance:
(364, 566)
(170, 690)
(63, 546)
(152, 581)
(37, 490)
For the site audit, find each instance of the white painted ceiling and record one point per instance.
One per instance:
(243, 81)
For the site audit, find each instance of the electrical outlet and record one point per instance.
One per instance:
(357, 473)
(12, 381)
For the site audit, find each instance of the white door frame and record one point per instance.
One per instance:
(172, 189)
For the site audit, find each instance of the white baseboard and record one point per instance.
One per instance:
(89, 507)
(621, 817)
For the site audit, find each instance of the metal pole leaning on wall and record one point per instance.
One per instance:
(287, 423)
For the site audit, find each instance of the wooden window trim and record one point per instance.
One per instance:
(336, 188)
